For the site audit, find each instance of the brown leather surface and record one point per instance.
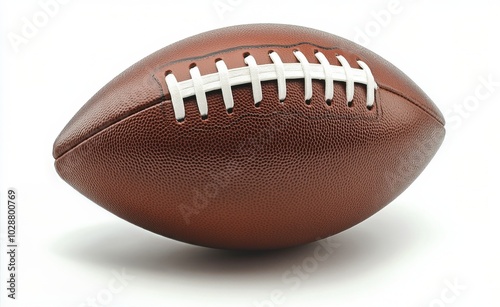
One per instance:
(272, 176)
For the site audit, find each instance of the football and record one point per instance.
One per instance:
(251, 137)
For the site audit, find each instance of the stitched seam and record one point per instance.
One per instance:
(118, 119)
(426, 110)
(254, 74)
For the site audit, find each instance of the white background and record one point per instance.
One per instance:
(436, 245)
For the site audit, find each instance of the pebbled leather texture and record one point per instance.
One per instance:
(273, 176)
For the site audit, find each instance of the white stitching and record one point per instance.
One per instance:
(201, 97)
(176, 96)
(280, 75)
(370, 85)
(329, 88)
(255, 74)
(349, 78)
(225, 84)
(307, 74)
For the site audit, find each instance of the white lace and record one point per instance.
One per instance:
(280, 72)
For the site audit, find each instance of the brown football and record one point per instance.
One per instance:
(251, 137)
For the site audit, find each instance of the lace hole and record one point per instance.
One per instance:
(350, 104)
(204, 117)
(229, 111)
(308, 102)
(329, 102)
